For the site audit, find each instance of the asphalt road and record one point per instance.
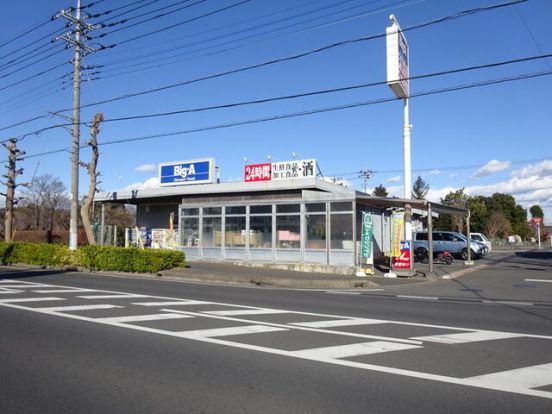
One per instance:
(79, 343)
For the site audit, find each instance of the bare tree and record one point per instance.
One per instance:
(45, 196)
(498, 225)
(91, 167)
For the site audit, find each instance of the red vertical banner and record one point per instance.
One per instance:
(403, 260)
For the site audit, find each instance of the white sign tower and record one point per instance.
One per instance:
(397, 79)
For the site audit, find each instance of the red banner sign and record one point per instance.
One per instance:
(403, 260)
(536, 221)
(258, 172)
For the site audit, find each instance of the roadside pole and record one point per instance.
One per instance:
(398, 81)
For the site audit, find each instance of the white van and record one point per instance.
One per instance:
(481, 238)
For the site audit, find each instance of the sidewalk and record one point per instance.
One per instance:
(216, 272)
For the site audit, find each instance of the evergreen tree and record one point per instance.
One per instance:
(420, 189)
(380, 191)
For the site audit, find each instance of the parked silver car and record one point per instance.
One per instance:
(451, 241)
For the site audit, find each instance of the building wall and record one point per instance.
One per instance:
(156, 215)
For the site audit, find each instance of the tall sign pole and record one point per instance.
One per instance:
(398, 81)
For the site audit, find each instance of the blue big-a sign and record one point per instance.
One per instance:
(187, 172)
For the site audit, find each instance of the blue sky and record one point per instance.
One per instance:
(487, 139)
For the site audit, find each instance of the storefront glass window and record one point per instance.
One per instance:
(288, 208)
(288, 232)
(212, 232)
(260, 209)
(315, 207)
(341, 206)
(316, 231)
(341, 231)
(235, 232)
(190, 211)
(260, 228)
(235, 210)
(212, 211)
(190, 232)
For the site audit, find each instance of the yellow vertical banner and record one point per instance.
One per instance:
(397, 231)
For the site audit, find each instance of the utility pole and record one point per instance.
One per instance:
(14, 155)
(365, 173)
(80, 28)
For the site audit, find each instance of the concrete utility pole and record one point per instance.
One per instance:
(13, 156)
(80, 28)
(365, 173)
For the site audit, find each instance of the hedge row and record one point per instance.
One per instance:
(92, 257)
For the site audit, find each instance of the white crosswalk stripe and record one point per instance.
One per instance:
(344, 351)
(143, 318)
(237, 330)
(76, 308)
(116, 296)
(525, 378)
(465, 337)
(23, 300)
(174, 303)
(243, 312)
(338, 323)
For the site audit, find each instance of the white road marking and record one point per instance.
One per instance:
(21, 300)
(77, 308)
(64, 290)
(343, 292)
(345, 351)
(339, 322)
(30, 286)
(301, 328)
(142, 318)
(174, 303)
(236, 330)
(539, 280)
(417, 297)
(377, 368)
(509, 302)
(6, 291)
(246, 312)
(465, 337)
(113, 296)
(528, 377)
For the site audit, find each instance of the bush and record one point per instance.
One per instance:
(37, 254)
(92, 257)
(129, 260)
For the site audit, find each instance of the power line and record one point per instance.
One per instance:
(315, 111)
(26, 32)
(297, 56)
(304, 94)
(36, 75)
(226, 35)
(156, 44)
(5, 75)
(108, 12)
(283, 59)
(124, 71)
(163, 29)
(128, 19)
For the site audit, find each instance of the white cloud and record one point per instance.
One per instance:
(529, 185)
(434, 172)
(491, 167)
(146, 168)
(152, 182)
(395, 179)
(543, 168)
